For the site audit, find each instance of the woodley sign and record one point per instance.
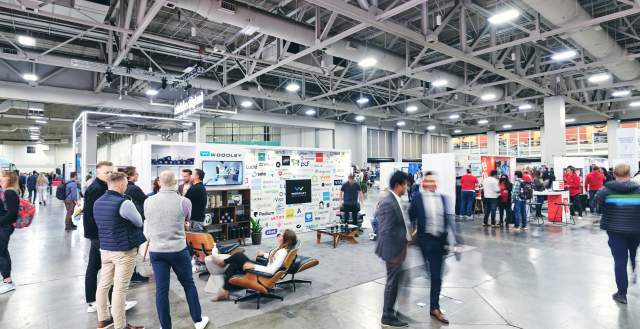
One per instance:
(191, 104)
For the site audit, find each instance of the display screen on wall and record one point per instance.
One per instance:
(31, 149)
(298, 191)
(219, 173)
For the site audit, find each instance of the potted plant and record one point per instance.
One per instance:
(256, 231)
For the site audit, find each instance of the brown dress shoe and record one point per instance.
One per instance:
(439, 316)
(105, 324)
(129, 326)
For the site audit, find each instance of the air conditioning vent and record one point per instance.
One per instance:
(227, 7)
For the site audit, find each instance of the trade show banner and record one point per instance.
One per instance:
(504, 165)
(223, 165)
(627, 147)
(295, 189)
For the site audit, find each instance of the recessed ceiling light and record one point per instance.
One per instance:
(600, 77)
(151, 92)
(360, 118)
(488, 97)
(107, 127)
(35, 137)
(439, 83)
(483, 121)
(42, 122)
(367, 62)
(457, 131)
(187, 124)
(292, 87)
(401, 123)
(432, 127)
(564, 55)
(34, 128)
(26, 40)
(412, 108)
(507, 126)
(35, 108)
(246, 103)
(504, 16)
(621, 93)
(634, 104)
(525, 107)
(30, 77)
(362, 100)
(454, 116)
(570, 120)
(310, 112)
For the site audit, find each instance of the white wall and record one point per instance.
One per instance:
(347, 138)
(120, 152)
(42, 160)
(298, 137)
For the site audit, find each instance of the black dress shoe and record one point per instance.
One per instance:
(139, 278)
(394, 323)
(70, 227)
(619, 298)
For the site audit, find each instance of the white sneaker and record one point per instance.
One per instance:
(130, 304)
(91, 308)
(6, 287)
(203, 323)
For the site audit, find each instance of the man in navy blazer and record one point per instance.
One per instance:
(429, 210)
(394, 233)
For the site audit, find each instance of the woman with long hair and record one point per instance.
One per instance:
(42, 183)
(239, 262)
(504, 200)
(8, 215)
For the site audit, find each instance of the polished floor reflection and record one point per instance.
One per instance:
(548, 277)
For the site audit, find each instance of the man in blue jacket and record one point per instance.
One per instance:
(431, 212)
(31, 186)
(619, 202)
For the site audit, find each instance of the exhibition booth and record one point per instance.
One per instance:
(283, 188)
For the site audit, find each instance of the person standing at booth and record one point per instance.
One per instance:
(572, 182)
(491, 188)
(352, 197)
(619, 202)
(592, 184)
(468, 184)
(197, 194)
(519, 202)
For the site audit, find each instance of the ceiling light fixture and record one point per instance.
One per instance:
(564, 55)
(35, 137)
(36, 108)
(362, 100)
(30, 77)
(360, 118)
(569, 120)
(504, 16)
(600, 77)
(621, 93)
(457, 131)
(483, 121)
(432, 127)
(525, 107)
(401, 123)
(26, 40)
(107, 127)
(367, 62)
(411, 108)
(151, 92)
(310, 112)
(246, 103)
(634, 104)
(507, 126)
(440, 83)
(34, 128)
(42, 122)
(292, 87)
(488, 97)
(454, 116)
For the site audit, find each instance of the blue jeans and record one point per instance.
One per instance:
(623, 248)
(467, 203)
(491, 205)
(593, 205)
(521, 213)
(180, 262)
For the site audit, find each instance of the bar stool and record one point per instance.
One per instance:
(479, 206)
(532, 218)
(561, 206)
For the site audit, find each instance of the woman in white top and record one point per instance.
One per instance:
(42, 184)
(239, 262)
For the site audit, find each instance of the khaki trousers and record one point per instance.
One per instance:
(117, 268)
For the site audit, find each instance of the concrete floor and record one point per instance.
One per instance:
(548, 277)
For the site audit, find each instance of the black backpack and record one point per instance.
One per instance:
(61, 192)
(526, 191)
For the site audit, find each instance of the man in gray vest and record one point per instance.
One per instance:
(120, 232)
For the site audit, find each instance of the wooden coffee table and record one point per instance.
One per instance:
(338, 234)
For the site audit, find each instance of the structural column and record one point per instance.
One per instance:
(553, 139)
(396, 148)
(492, 143)
(612, 136)
(362, 146)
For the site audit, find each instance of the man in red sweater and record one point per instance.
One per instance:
(593, 183)
(572, 182)
(468, 185)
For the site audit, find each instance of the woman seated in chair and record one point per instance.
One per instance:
(238, 263)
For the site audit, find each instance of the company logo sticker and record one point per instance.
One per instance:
(271, 231)
(262, 157)
(290, 213)
(205, 153)
(308, 217)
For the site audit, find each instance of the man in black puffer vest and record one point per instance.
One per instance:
(619, 201)
(120, 232)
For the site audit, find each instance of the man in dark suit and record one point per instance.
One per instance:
(431, 212)
(394, 232)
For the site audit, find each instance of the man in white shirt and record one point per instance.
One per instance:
(491, 189)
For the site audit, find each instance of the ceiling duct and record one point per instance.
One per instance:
(264, 22)
(594, 40)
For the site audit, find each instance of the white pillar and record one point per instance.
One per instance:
(553, 140)
(426, 143)
(492, 142)
(612, 133)
(362, 146)
(396, 149)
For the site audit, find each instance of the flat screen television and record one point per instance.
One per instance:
(220, 173)
(298, 191)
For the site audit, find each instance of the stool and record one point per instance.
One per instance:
(479, 206)
(532, 210)
(561, 208)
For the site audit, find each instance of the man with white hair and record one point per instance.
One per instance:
(166, 213)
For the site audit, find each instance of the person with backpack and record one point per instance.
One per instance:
(8, 214)
(519, 201)
(70, 201)
(572, 182)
